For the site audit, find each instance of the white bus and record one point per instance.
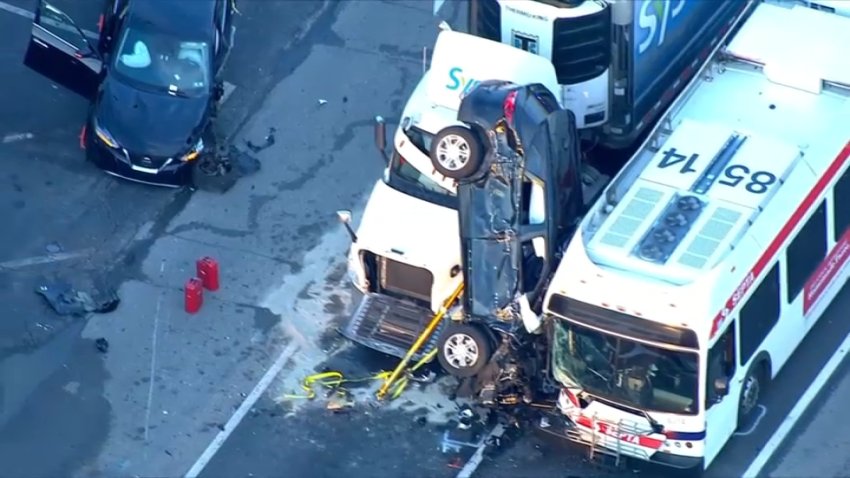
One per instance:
(712, 254)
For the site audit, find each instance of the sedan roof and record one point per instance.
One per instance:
(189, 17)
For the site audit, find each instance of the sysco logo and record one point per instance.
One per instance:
(655, 17)
(457, 81)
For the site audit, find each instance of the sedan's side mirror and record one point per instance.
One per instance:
(721, 387)
(344, 217)
(381, 137)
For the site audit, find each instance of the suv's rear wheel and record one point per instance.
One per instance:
(457, 152)
(464, 349)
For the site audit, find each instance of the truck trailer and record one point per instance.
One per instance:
(619, 63)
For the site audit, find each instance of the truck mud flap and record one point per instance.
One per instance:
(390, 325)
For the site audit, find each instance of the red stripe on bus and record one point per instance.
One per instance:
(603, 427)
(780, 239)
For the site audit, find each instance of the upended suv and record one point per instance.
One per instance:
(519, 199)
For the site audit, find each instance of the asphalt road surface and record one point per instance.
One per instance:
(216, 392)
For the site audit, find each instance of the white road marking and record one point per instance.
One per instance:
(16, 10)
(152, 375)
(14, 137)
(30, 15)
(243, 409)
(228, 90)
(47, 259)
(477, 457)
(800, 407)
(755, 424)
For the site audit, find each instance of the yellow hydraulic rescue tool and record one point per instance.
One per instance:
(420, 341)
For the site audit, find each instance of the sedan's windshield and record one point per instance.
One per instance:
(625, 371)
(161, 61)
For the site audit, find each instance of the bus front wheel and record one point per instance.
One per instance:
(751, 390)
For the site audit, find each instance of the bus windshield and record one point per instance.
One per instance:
(629, 372)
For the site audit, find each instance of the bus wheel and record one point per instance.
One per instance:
(751, 389)
(464, 349)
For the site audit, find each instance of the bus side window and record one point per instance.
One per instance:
(759, 314)
(806, 252)
(721, 366)
(841, 205)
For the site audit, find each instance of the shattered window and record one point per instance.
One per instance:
(634, 373)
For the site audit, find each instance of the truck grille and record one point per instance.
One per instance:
(581, 47)
(487, 21)
(399, 278)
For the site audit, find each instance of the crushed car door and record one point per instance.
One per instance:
(59, 50)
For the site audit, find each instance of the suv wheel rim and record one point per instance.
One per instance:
(453, 152)
(461, 351)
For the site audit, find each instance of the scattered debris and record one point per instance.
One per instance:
(322, 102)
(478, 456)
(213, 173)
(469, 431)
(339, 401)
(427, 377)
(269, 140)
(67, 301)
(11, 138)
(242, 162)
(102, 345)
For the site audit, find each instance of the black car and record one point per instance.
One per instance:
(152, 79)
(517, 207)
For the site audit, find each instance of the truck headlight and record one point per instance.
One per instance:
(105, 136)
(193, 154)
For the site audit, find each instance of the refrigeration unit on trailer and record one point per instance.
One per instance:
(620, 63)
(713, 252)
(405, 254)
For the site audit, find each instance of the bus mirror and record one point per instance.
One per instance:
(721, 387)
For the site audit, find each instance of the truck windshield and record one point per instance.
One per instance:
(632, 373)
(409, 180)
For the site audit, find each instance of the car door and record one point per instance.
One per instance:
(109, 24)
(225, 32)
(59, 50)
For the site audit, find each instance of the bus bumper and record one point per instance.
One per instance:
(560, 427)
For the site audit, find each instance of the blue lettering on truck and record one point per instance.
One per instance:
(457, 81)
(653, 20)
(667, 36)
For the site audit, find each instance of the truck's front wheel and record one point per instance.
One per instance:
(464, 349)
